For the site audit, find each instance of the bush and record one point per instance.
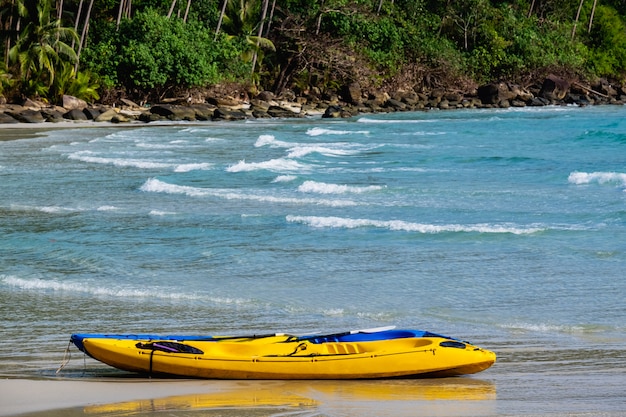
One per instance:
(152, 52)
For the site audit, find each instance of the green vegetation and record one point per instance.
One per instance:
(152, 49)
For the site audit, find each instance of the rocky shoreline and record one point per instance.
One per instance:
(351, 101)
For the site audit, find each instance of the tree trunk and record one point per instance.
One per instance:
(83, 35)
(259, 33)
(119, 13)
(187, 11)
(580, 6)
(169, 14)
(77, 19)
(593, 11)
(219, 22)
(532, 6)
(269, 21)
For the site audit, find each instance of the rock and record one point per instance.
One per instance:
(7, 119)
(332, 112)
(52, 115)
(174, 112)
(106, 116)
(494, 93)
(33, 105)
(72, 103)
(129, 103)
(75, 114)
(260, 114)
(91, 113)
(554, 88)
(120, 118)
(395, 104)
(353, 93)
(222, 113)
(539, 101)
(148, 117)
(265, 96)
(282, 112)
(27, 116)
(203, 111)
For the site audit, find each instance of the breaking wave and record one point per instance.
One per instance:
(400, 225)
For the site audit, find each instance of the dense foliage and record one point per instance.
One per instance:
(150, 49)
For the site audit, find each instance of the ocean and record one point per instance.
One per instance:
(504, 227)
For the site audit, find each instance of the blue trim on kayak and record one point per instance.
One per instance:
(369, 337)
(77, 338)
(359, 336)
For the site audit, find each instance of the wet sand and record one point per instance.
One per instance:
(141, 397)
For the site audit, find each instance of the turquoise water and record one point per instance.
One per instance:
(503, 227)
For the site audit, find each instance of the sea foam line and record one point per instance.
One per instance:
(36, 284)
(157, 186)
(318, 131)
(324, 188)
(275, 165)
(580, 178)
(87, 156)
(400, 225)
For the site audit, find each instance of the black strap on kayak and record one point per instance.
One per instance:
(150, 371)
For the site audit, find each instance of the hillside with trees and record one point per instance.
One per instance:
(149, 50)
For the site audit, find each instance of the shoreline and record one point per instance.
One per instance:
(356, 101)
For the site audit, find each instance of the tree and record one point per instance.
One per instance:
(40, 49)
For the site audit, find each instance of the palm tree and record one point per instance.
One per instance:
(241, 19)
(41, 47)
(580, 7)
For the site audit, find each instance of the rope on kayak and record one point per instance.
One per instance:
(66, 357)
(300, 347)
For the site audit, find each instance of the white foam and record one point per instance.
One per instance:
(285, 178)
(155, 185)
(304, 150)
(391, 121)
(318, 131)
(324, 188)
(160, 213)
(579, 178)
(400, 225)
(201, 166)
(107, 208)
(86, 156)
(274, 165)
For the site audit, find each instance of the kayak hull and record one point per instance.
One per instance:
(288, 357)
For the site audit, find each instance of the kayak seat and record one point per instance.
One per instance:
(343, 348)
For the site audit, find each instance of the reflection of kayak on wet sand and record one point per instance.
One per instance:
(362, 354)
(304, 394)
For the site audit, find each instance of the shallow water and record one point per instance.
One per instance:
(503, 227)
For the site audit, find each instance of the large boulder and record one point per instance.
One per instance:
(106, 116)
(27, 116)
(554, 88)
(7, 119)
(495, 93)
(222, 113)
(75, 114)
(72, 103)
(174, 112)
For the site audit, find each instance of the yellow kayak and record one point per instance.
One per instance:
(349, 355)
